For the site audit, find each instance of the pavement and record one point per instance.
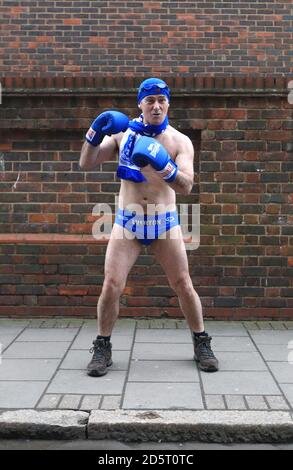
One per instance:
(154, 391)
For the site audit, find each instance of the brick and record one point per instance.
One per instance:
(277, 402)
(70, 402)
(91, 402)
(49, 401)
(215, 402)
(235, 402)
(227, 302)
(111, 402)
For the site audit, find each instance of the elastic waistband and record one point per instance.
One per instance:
(169, 216)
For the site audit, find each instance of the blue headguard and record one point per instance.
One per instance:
(153, 86)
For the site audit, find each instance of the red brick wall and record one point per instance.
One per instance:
(129, 38)
(228, 64)
(50, 265)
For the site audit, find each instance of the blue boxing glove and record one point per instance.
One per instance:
(107, 123)
(148, 151)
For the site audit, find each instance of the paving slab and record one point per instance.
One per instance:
(163, 351)
(282, 371)
(216, 328)
(35, 350)
(13, 323)
(85, 338)
(163, 336)
(10, 330)
(169, 323)
(77, 381)
(264, 325)
(256, 402)
(250, 325)
(8, 334)
(277, 402)
(70, 401)
(36, 323)
(272, 337)
(235, 402)
(20, 394)
(163, 371)
(241, 361)
(288, 392)
(28, 369)
(232, 343)
(166, 395)
(48, 334)
(111, 402)
(49, 401)
(124, 324)
(274, 352)
(215, 402)
(278, 325)
(6, 339)
(79, 358)
(240, 383)
(91, 402)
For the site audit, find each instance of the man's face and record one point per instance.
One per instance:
(154, 108)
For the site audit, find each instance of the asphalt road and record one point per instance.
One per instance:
(108, 445)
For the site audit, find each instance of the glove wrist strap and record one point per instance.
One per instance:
(169, 173)
(94, 137)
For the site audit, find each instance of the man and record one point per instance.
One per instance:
(155, 162)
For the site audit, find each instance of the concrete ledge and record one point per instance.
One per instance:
(53, 424)
(205, 426)
(116, 85)
(49, 238)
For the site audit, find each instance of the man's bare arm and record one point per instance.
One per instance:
(100, 142)
(183, 183)
(185, 176)
(91, 156)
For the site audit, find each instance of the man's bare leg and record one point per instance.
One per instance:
(121, 254)
(171, 254)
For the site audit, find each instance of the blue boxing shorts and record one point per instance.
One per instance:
(146, 228)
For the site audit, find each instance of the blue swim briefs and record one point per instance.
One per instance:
(146, 228)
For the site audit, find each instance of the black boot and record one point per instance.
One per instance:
(203, 353)
(102, 358)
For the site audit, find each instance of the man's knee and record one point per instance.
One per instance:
(113, 286)
(182, 285)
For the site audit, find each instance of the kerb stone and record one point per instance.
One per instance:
(53, 424)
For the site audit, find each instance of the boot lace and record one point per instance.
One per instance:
(98, 349)
(204, 347)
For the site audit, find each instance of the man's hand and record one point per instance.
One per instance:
(148, 151)
(107, 123)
